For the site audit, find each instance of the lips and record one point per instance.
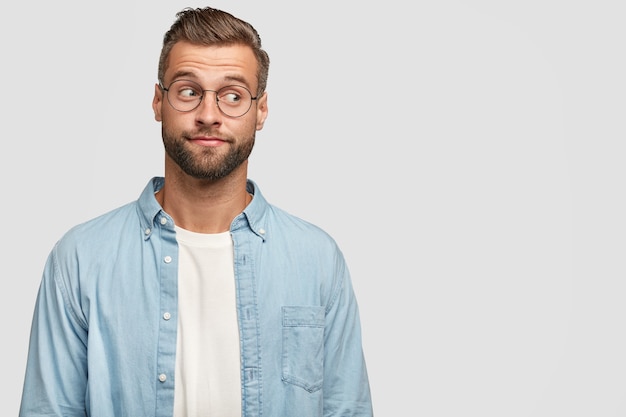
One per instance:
(210, 141)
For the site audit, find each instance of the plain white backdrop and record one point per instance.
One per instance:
(468, 157)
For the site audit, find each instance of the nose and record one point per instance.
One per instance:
(208, 112)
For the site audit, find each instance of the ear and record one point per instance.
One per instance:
(157, 102)
(261, 111)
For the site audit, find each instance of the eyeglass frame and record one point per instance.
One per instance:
(217, 100)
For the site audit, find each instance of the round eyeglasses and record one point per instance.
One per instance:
(232, 100)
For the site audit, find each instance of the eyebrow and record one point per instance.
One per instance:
(181, 74)
(228, 78)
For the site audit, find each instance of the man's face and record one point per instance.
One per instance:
(204, 142)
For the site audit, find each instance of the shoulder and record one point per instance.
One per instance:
(283, 228)
(299, 232)
(106, 229)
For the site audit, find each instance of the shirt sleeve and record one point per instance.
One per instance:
(56, 371)
(346, 384)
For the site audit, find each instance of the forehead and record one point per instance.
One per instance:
(210, 64)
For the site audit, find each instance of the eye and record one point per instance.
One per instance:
(231, 95)
(232, 98)
(188, 92)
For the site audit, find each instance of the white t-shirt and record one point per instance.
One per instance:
(208, 370)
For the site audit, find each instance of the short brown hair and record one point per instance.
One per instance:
(208, 26)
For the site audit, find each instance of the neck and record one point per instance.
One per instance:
(204, 206)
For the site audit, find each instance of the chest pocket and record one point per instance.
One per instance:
(303, 346)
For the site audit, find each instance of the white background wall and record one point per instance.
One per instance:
(466, 155)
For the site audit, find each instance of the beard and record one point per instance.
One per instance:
(209, 163)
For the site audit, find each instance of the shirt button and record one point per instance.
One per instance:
(167, 259)
(162, 377)
(147, 231)
(163, 221)
(261, 231)
(167, 316)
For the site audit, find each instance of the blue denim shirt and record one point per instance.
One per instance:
(103, 339)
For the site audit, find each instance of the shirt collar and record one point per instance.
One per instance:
(148, 206)
(253, 217)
